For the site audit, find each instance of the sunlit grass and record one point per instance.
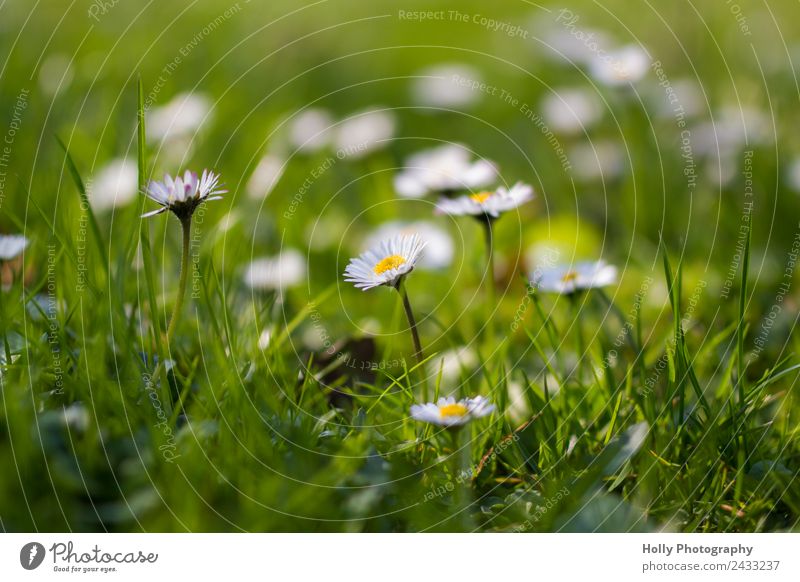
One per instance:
(657, 401)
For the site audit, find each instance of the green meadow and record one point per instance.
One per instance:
(226, 377)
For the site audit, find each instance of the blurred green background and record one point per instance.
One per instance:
(636, 173)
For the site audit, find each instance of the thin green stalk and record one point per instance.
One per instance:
(3, 320)
(412, 323)
(186, 225)
(741, 365)
(488, 229)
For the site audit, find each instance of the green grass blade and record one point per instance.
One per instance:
(79, 184)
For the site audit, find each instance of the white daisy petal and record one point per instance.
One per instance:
(180, 118)
(310, 130)
(450, 413)
(443, 169)
(276, 273)
(183, 194)
(12, 245)
(114, 185)
(491, 204)
(385, 263)
(441, 86)
(566, 279)
(154, 212)
(624, 66)
(364, 132)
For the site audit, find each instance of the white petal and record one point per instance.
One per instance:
(154, 212)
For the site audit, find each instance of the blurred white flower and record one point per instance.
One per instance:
(363, 132)
(440, 249)
(266, 175)
(453, 362)
(486, 204)
(684, 97)
(12, 245)
(563, 46)
(731, 129)
(722, 170)
(175, 151)
(597, 160)
(278, 272)
(264, 339)
(114, 185)
(624, 66)
(138, 259)
(443, 86)
(310, 131)
(793, 175)
(314, 338)
(541, 255)
(450, 413)
(180, 118)
(571, 110)
(567, 279)
(182, 195)
(519, 409)
(446, 168)
(75, 416)
(228, 221)
(386, 263)
(55, 74)
(370, 326)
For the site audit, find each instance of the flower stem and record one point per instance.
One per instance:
(488, 224)
(411, 322)
(186, 225)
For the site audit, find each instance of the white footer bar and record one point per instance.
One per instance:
(389, 557)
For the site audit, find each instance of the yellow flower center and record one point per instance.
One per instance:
(569, 277)
(453, 410)
(481, 197)
(391, 262)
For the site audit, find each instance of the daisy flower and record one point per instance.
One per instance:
(56, 74)
(566, 280)
(486, 204)
(276, 273)
(443, 169)
(441, 86)
(178, 119)
(598, 160)
(448, 412)
(454, 362)
(12, 245)
(182, 195)
(439, 250)
(364, 132)
(572, 111)
(114, 185)
(624, 66)
(267, 174)
(310, 131)
(386, 263)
